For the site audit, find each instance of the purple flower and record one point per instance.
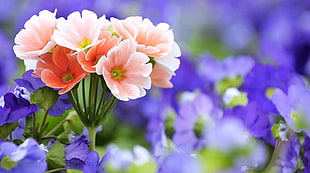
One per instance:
(92, 164)
(265, 78)
(288, 155)
(187, 70)
(192, 120)
(138, 112)
(31, 84)
(19, 131)
(76, 153)
(294, 107)
(231, 67)
(306, 155)
(230, 140)
(220, 136)
(5, 7)
(15, 108)
(25, 158)
(8, 60)
(121, 160)
(181, 163)
(253, 119)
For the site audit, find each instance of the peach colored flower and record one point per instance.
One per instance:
(160, 77)
(36, 38)
(126, 71)
(60, 69)
(80, 31)
(155, 41)
(89, 60)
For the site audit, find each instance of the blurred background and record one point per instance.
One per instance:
(276, 32)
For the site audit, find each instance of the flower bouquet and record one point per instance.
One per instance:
(85, 61)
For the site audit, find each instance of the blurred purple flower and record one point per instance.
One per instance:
(193, 82)
(181, 163)
(288, 155)
(263, 78)
(220, 136)
(138, 112)
(8, 60)
(231, 138)
(64, 8)
(157, 132)
(76, 153)
(32, 83)
(25, 158)
(294, 107)
(253, 119)
(6, 9)
(215, 70)
(192, 120)
(306, 155)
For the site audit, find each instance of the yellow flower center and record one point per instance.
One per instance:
(85, 42)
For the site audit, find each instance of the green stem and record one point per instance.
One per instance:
(75, 105)
(49, 137)
(274, 157)
(11, 135)
(57, 127)
(56, 170)
(92, 97)
(108, 106)
(95, 94)
(84, 97)
(92, 131)
(44, 119)
(34, 125)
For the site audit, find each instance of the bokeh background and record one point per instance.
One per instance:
(273, 32)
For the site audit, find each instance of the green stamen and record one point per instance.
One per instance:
(7, 163)
(116, 73)
(84, 43)
(199, 126)
(110, 29)
(67, 77)
(269, 92)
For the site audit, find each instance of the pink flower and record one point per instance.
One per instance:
(126, 71)
(36, 39)
(160, 77)
(80, 32)
(60, 69)
(89, 60)
(155, 41)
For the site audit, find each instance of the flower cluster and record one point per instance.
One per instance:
(130, 54)
(239, 101)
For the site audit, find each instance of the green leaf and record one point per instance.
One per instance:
(6, 129)
(44, 97)
(56, 156)
(215, 160)
(228, 83)
(64, 137)
(169, 123)
(74, 123)
(275, 131)
(149, 167)
(74, 171)
(241, 99)
(7, 163)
